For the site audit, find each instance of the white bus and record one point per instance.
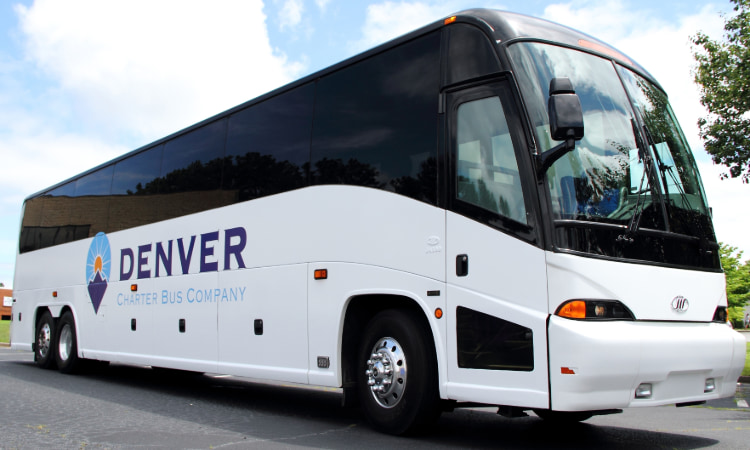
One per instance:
(492, 209)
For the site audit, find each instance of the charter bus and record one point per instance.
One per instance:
(493, 209)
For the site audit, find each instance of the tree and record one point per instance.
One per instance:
(738, 281)
(723, 74)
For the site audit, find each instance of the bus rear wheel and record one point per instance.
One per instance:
(45, 341)
(66, 350)
(397, 374)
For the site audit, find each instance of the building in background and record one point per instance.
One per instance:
(5, 307)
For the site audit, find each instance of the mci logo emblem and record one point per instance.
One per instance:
(98, 265)
(680, 304)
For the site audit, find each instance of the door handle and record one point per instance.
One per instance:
(462, 265)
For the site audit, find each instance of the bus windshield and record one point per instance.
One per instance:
(632, 169)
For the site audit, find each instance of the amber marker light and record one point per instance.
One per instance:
(605, 50)
(575, 309)
(321, 274)
(449, 20)
(438, 313)
(133, 288)
(54, 294)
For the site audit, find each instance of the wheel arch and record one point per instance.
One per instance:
(56, 311)
(359, 310)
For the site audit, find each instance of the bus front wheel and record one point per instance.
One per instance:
(397, 374)
(45, 341)
(66, 350)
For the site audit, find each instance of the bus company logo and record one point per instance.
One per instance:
(98, 265)
(680, 304)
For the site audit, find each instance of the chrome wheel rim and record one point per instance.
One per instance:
(386, 372)
(43, 341)
(66, 342)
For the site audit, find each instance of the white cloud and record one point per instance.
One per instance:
(290, 14)
(322, 4)
(388, 20)
(153, 67)
(99, 78)
(44, 158)
(728, 200)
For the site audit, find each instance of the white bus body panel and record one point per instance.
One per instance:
(371, 241)
(506, 279)
(667, 348)
(610, 360)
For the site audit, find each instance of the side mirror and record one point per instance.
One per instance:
(565, 121)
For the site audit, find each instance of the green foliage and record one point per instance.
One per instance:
(5, 331)
(723, 74)
(738, 281)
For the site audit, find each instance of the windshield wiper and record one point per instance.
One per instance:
(635, 220)
(665, 169)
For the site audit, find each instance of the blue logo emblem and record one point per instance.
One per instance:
(98, 265)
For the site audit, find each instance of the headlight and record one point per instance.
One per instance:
(594, 310)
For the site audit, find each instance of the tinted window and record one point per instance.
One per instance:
(75, 210)
(97, 183)
(134, 176)
(66, 190)
(191, 172)
(470, 54)
(268, 145)
(486, 170)
(134, 186)
(193, 161)
(376, 122)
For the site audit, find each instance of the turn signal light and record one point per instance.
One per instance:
(449, 20)
(594, 310)
(575, 309)
(321, 274)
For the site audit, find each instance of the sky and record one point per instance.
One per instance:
(83, 81)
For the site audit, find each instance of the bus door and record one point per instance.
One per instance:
(497, 290)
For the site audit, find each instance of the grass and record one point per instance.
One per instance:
(5, 331)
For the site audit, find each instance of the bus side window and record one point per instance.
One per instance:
(376, 122)
(487, 171)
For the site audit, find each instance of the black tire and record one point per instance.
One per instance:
(44, 347)
(405, 400)
(66, 348)
(563, 417)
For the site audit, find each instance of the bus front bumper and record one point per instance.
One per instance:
(601, 365)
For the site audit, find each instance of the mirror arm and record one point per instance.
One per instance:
(546, 159)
